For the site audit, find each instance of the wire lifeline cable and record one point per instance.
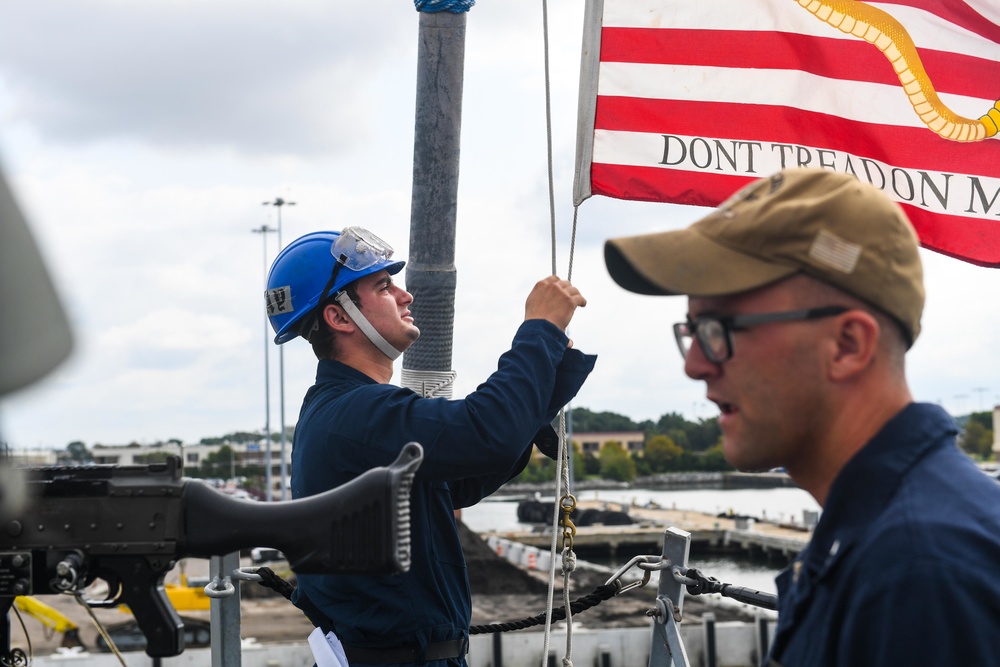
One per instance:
(599, 594)
(270, 580)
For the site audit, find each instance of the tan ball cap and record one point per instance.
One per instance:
(826, 225)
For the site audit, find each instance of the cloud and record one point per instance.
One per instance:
(260, 77)
(142, 138)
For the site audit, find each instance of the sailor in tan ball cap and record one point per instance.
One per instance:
(805, 291)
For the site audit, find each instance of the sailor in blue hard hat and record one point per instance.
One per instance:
(336, 290)
(317, 282)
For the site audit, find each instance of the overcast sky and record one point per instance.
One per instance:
(141, 139)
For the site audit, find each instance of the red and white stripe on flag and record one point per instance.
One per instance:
(685, 102)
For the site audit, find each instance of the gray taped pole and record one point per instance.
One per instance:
(430, 270)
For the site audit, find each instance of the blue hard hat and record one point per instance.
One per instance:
(307, 271)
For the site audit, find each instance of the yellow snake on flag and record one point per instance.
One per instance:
(879, 28)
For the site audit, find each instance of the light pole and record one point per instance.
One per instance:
(980, 391)
(278, 204)
(264, 230)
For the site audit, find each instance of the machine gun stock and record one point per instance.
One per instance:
(128, 525)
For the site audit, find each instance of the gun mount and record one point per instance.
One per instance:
(129, 525)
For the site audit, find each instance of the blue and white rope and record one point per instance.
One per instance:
(434, 6)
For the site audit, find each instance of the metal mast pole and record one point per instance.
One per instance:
(430, 270)
(264, 230)
(278, 203)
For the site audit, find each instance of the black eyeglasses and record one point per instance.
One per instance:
(715, 334)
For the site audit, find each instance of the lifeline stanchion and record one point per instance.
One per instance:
(666, 648)
(225, 614)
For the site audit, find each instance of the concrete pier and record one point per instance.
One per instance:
(755, 538)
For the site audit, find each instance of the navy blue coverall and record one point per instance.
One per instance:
(904, 565)
(349, 423)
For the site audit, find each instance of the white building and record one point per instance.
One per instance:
(592, 443)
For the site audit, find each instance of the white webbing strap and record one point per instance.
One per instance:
(366, 327)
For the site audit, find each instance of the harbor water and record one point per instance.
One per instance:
(786, 504)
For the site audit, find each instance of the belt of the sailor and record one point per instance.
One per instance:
(402, 654)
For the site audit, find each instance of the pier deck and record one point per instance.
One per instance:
(707, 531)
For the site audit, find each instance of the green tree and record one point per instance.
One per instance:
(977, 440)
(585, 421)
(679, 436)
(543, 469)
(539, 470)
(248, 437)
(670, 422)
(703, 435)
(219, 463)
(77, 451)
(616, 463)
(713, 459)
(663, 454)
(984, 418)
(591, 465)
(579, 463)
(642, 467)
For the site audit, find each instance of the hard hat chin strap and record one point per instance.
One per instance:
(366, 327)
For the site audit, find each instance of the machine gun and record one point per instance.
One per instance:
(128, 525)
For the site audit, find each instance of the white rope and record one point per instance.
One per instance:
(564, 458)
(552, 550)
(429, 384)
(548, 130)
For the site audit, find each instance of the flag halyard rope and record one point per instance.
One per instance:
(567, 502)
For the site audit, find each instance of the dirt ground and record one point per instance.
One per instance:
(501, 592)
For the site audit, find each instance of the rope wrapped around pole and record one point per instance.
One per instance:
(452, 6)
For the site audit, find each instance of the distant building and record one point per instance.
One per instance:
(191, 455)
(31, 457)
(128, 455)
(633, 442)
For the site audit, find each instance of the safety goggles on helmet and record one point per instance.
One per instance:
(356, 249)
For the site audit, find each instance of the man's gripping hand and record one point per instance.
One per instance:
(555, 300)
